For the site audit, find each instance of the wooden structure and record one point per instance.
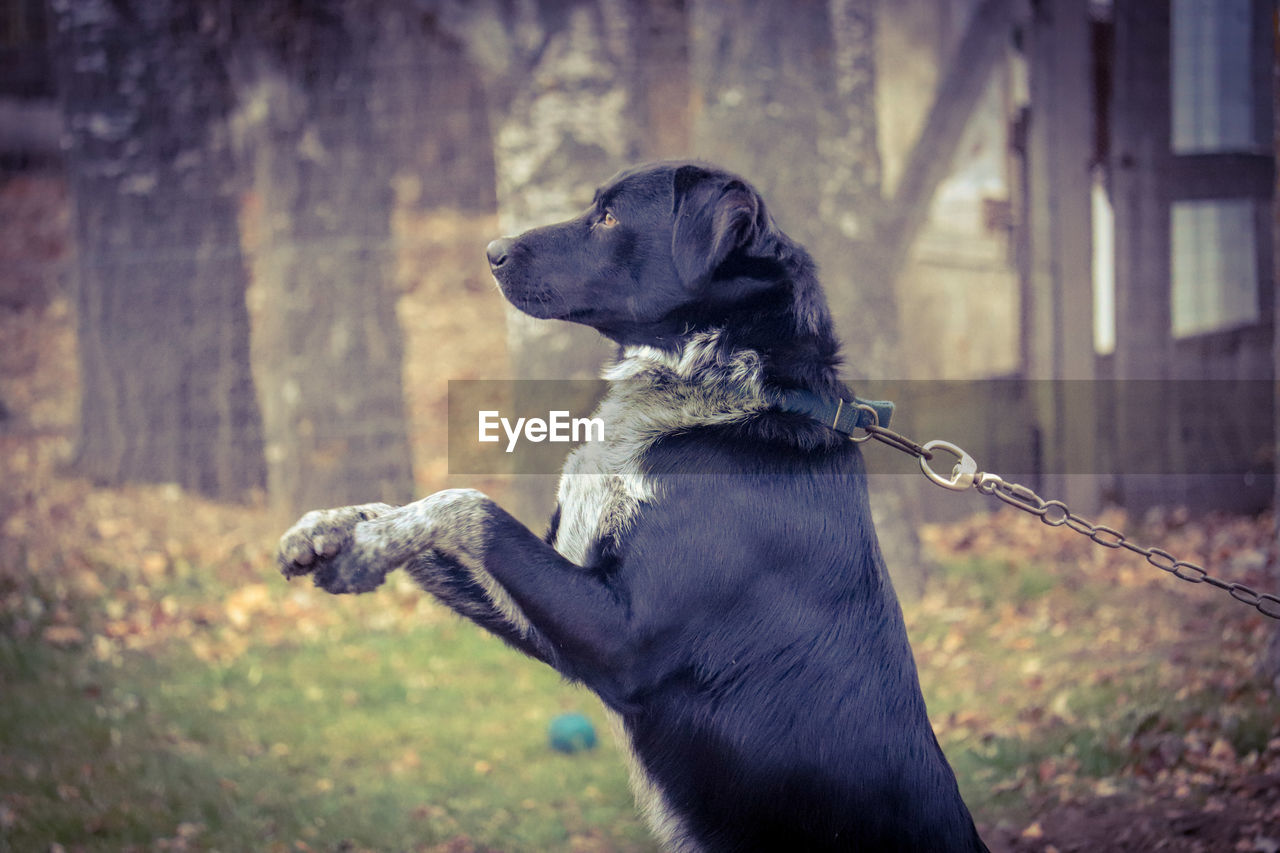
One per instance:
(1167, 106)
(1191, 164)
(1143, 175)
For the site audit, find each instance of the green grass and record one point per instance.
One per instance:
(387, 725)
(392, 741)
(990, 582)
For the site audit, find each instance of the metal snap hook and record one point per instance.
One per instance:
(962, 474)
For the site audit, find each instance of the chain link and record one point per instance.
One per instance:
(1056, 514)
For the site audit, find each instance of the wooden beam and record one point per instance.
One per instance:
(1060, 354)
(1139, 170)
(930, 161)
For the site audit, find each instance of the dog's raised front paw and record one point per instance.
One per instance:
(320, 544)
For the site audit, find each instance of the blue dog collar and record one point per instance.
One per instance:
(843, 416)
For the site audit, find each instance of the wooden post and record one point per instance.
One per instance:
(1269, 663)
(1140, 160)
(1060, 346)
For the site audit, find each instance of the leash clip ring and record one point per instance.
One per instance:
(962, 475)
(866, 431)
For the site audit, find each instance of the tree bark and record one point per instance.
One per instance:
(560, 102)
(313, 106)
(570, 104)
(786, 95)
(787, 98)
(159, 276)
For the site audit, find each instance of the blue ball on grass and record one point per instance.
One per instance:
(571, 733)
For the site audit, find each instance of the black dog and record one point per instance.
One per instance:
(711, 570)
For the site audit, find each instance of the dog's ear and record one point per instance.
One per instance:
(713, 218)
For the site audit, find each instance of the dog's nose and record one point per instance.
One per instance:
(498, 251)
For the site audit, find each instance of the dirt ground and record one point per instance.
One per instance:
(1244, 817)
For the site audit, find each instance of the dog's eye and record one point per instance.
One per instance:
(608, 220)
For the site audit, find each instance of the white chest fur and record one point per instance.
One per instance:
(600, 493)
(652, 394)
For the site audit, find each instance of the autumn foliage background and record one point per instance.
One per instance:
(164, 689)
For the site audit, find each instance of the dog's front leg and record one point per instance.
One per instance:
(476, 558)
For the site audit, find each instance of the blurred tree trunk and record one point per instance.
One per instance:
(565, 114)
(570, 104)
(560, 127)
(160, 280)
(312, 120)
(787, 95)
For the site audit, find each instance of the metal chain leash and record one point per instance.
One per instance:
(965, 475)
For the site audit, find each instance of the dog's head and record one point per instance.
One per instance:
(665, 250)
